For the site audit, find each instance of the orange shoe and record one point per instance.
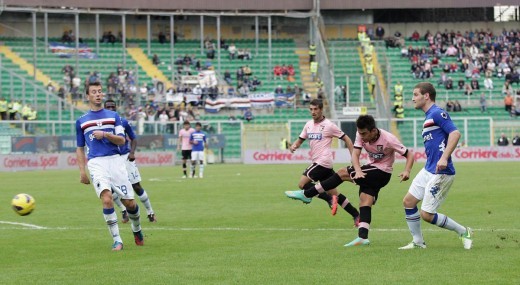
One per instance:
(334, 205)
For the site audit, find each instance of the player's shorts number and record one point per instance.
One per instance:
(123, 189)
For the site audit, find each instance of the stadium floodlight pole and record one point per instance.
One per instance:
(257, 35)
(97, 34)
(269, 42)
(172, 44)
(76, 33)
(149, 35)
(201, 34)
(46, 31)
(218, 43)
(34, 44)
(123, 38)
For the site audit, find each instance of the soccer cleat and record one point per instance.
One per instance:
(414, 245)
(334, 205)
(467, 238)
(358, 242)
(152, 218)
(184, 176)
(298, 195)
(124, 217)
(356, 222)
(117, 246)
(139, 239)
(201, 176)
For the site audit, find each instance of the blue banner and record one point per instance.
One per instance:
(68, 51)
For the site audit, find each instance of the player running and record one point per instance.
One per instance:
(320, 132)
(102, 132)
(128, 153)
(433, 182)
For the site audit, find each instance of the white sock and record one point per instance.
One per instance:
(201, 168)
(118, 202)
(444, 222)
(413, 219)
(111, 219)
(192, 169)
(134, 219)
(146, 202)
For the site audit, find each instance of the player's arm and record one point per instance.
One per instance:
(356, 153)
(348, 143)
(115, 139)
(453, 140)
(405, 175)
(179, 142)
(296, 144)
(80, 157)
(133, 140)
(133, 147)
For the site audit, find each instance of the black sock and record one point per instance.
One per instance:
(328, 184)
(349, 208)
(308, 185)
(365, 216)
(326, 197)
(184, 168)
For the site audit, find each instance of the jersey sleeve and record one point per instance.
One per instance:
(335, 131)
(191, 137)
(80, 137)
(118, 126)
(443, 120)
(128, 130)
(396, 145)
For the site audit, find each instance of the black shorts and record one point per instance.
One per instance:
(374, 180)
(317, 172)
(186, 154)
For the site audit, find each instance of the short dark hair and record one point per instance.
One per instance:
(92, 84)
(186, 122)
(317, 102)
(427, 87)
(198, 124)
(366, 122)
(110, 103)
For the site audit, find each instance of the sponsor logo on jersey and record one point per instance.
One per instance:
(314, 136)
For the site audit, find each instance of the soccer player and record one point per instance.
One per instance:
(381, 147)
(128, 153)
(184, 142)
(103, 133)
(433, 182)
(198, 141)
(320, 132)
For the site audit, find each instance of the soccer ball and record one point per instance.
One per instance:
(23, 204)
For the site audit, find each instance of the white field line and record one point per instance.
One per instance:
(23, 226)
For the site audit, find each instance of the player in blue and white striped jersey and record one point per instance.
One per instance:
(102, 132)
(433, 182)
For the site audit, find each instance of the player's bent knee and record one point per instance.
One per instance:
(129, 204)
(427, 217)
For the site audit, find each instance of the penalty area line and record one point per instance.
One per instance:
(236, 229)
(25, 225)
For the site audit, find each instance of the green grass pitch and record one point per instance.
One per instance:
(235, 226)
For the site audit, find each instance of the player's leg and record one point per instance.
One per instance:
(101, 181)
(413, 219)
(365, 218)
(328, 184)
(436, 192)
(124, 213)
(314, 172)
(124, 189)
(143, 196)
(184, 154)
(192, 165)
(200, 158)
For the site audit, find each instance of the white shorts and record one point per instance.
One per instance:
(109, 172)
(133, 172)
(432, 189)
(197, 155)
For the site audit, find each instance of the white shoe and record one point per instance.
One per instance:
(200, 175)
(184, 176)
(467, 238)
(414, 245)
(191, 176)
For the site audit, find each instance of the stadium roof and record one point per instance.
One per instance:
(182, 6)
